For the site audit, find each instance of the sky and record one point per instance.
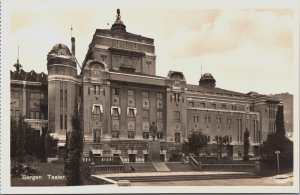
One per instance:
(244, 48)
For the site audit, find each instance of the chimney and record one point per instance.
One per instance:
(73, 45)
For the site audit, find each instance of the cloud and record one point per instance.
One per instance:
(230, 29)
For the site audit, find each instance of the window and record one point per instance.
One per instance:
(97, 109)
(159, 95)
(32, 115)
(177, 97)
(37, 115)
(159, 104)
(177, 116)
(66, 98)
(126, 45)
(130, 92)
(31, 95)
(42, 96)
(224, 106)
(61, 98)
(17, 113)
(196, 119)
(37, 96)
(97, 135)
(61, 121)
(135, 46)
(145, 113)
(214, 106)
(95, 89)
(89, 91)
(219, 120)
(115, 112)
(159, 115)
(233, 107)
(207, 119)
(115, 134)
(192, 104)
(131, 134)
(146, 103)
(42, 115)
(145, 135)
(272, 111)
(116, 91)
(16, 94)
(11, 112)
(66, 122)
(177, 137)
(131, 112)
(159, 135)
(131, 125)
(229, 121)
(145, 94)
(202, 105)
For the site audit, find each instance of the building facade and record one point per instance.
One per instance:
(122, 96)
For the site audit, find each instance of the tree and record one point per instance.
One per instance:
(196, 141)
(221, 142)
(13, 137)
(73, 163)
(280, 130)
(246, 145)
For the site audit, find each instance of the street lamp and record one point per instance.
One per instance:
(277, 152)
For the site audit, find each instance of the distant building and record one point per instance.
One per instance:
(122, 96)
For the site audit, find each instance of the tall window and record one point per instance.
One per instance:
(207, 119)
(196, 119)
(214, 106)
(159, 115)
(176, 115)
(116, 91)
(224, 106)
(233, 107)
(192, 104)
(177, 137)
(239, 122)
(202, 105)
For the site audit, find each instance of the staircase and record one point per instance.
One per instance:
(160, 167)
(178, 166)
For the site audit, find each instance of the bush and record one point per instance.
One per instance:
(86, 170)
(19, 169)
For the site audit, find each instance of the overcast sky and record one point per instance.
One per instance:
(245, 49)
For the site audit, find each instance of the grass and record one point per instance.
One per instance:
(45, 169)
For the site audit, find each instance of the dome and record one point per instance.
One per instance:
(60, 49)
(118, 25)
(207, 80)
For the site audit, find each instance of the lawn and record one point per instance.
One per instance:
(43, 178)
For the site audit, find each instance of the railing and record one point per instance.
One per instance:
(109, 160)
(227, 167)
(103, 164)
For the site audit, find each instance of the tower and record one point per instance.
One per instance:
(62, 87)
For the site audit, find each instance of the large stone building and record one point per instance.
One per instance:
(121, 97)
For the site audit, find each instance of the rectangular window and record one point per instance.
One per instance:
(96, 109)
(115, 134)
(66, 122)
(61, 85)
(176, 115)
(31, 95)
(131, 113)
(145, 114)
(159, 115)
(207, 119)
(115, 112)
(66, 96)
(159, 95)
(177, 137)
(37, 96)
(214, 106)
(130, 92)
(89, 91)
(42, 115)
(191, 104)
(202, 105)
(95, 89)
(159, 135)
(145, 135)
(145, 94)
(61, 121)
(233, 107)
(177, 97)
(37, 115)
(115, 91)
(135, 46)
(229, 121)
(32, 115)
(131, 134)
(17, 94)
(223, 106)
(61, 98)
(219, 120)
(17, 113)
(42, 96)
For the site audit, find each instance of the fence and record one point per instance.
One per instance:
(234, 166)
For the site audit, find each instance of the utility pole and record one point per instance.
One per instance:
(277, 152)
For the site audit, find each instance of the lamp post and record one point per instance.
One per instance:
(277, 152)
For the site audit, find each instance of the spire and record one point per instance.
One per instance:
(17, 65)
(118, 25)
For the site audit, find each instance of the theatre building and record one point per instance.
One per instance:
(121, 97)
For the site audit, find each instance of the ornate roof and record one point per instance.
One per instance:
(206, 77)
(60, 49)
(118, 25)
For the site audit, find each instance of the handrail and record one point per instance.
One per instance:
(193, 162)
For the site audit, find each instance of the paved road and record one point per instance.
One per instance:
(265, 181)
